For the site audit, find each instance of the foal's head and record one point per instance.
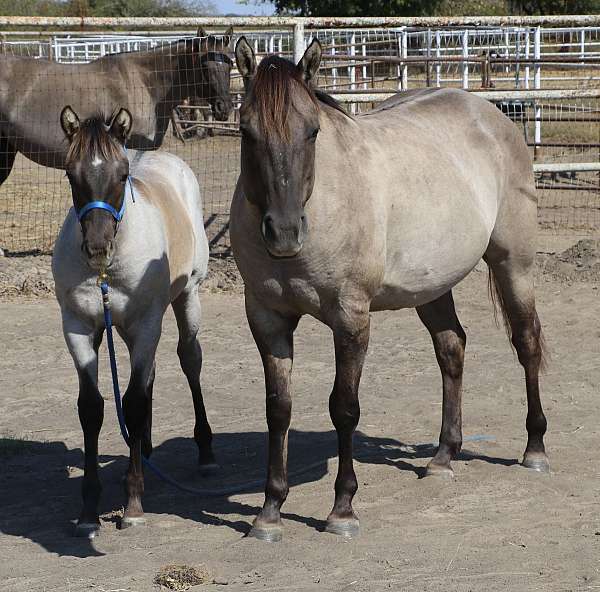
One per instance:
(97, 168)
(215, 66)
(279, 122)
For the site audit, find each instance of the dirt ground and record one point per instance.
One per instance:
(495, 526)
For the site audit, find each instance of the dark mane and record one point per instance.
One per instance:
(271, 90)
(93, 138)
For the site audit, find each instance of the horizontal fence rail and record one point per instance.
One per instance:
(542, 72)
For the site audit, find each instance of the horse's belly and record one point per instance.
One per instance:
(422, 275)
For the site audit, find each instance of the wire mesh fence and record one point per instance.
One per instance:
(184, 96)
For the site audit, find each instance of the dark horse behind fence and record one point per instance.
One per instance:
(147, 83)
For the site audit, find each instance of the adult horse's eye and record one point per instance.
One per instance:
(124, 178)
(313, 134)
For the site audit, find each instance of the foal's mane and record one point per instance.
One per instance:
(270, 94)
(93, 138)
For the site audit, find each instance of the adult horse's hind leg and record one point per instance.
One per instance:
(7, 158)
(512, 277)
(449, 341)
(142, 340)
(187, 312)
(83, 345)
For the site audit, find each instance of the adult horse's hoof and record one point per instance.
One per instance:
(268, 533)
(345, 528)
(536, 461)
(434, 470)
(87, 530)
(129, 521)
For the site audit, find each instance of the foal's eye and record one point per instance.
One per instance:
(124, 178)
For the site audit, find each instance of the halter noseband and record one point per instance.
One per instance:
(102, 205)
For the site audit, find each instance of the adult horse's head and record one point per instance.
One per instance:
(279, 122)
(210, 57)
(98, 169)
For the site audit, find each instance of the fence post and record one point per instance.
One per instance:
(352, 68)
(404, 55)
(465, 55)
(438, 66)
(334, 72)
(298, 41)
(527, 54)
(537, 84)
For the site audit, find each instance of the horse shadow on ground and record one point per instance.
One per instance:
(41, 484)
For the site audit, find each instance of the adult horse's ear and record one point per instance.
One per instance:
(201, 32)
(309, 64)
(245, 60)
(227, 37)
(120, 126)
(69, 122)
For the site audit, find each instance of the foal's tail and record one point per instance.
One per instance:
(499, 302)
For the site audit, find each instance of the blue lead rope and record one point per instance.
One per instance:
(117, 394)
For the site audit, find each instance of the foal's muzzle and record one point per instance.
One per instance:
(283, 238)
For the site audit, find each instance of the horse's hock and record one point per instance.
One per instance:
(518, 65)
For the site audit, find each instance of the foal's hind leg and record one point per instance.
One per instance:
(449, 341)
(187, 312)
(513, 280)
(83, 345)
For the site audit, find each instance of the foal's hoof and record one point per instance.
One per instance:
(129, 521)
(268, 533)
(440, 471)
(537, 461)
(87, 530)
(348, 528)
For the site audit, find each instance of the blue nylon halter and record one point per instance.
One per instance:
(102, 205)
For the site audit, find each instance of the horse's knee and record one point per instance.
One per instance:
(344, 410)
(90, 405)
(451, 354)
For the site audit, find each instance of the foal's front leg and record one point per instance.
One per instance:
(274, 334)
(83, 344)
(351, 339)
(142, 340)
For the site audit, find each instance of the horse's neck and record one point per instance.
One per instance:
(161, 70)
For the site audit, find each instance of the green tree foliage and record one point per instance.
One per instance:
(128, 8)
(434, 7)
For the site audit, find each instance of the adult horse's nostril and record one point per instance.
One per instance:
(268, 229)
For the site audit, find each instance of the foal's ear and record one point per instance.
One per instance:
(69, 122)
(309, 64)
(120, 126)
(245, 60)
(227, 37)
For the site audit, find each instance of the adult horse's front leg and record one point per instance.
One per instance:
(351, 339)
(274, 335)
(142, 340)
(449, 341)
(83, 345)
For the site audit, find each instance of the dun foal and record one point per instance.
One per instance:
(336, 216)
(144, 225)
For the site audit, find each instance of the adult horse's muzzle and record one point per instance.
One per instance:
(221, 109)
(284, 238)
